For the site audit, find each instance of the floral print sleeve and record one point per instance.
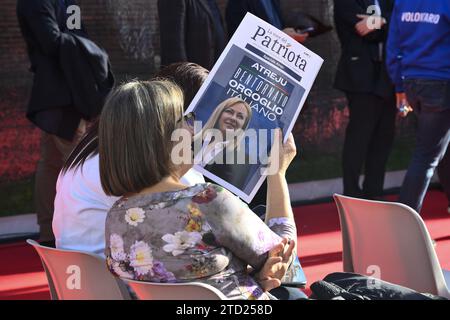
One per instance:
(235, 226)
(284, 227)
(201, 233)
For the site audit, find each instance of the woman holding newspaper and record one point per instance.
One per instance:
(222, 151)
(164, 231)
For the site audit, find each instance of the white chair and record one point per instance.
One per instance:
(174, 291)
(75, 275)
(390, 240)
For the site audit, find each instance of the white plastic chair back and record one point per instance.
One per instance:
(389, 241)
(174, 291)
(75, 275)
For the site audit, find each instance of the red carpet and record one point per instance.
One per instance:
(319, 248)
(21, 273)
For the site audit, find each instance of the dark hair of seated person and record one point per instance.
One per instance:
(188, 76)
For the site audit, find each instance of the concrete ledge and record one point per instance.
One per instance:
(312, 190)
(14, 226)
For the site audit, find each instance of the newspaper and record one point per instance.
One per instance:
(259, 83)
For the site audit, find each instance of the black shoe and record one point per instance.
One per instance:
(374, 197)
(377, 198)
(48, 244)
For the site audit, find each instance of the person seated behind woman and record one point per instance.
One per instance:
(161, 230)
(80, 203)
(224, 153)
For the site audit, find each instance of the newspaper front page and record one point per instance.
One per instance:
(259, 83)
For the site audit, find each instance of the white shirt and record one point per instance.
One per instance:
(81, 206)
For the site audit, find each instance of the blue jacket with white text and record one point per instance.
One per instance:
(418, 44)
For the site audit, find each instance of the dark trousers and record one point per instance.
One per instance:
(430, 100)
(368, 142)
(444, 174)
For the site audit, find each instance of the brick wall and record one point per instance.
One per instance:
(18, 138)
(128, 30)
(13, 60)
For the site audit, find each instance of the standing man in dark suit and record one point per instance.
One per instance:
(71, 79)
(362, 29)
(191, 31)
(50, 105)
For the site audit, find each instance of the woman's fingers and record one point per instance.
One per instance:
(275, 251)
(269, 284)
(273, 261)
(282, 154)
(272, 267)
(289, 250)
(290, 144)
(267, 276)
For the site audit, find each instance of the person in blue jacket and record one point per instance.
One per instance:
(418, 61)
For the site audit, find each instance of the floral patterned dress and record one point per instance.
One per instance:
(202, 233)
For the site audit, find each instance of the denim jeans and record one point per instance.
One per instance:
(430, 100)
(444, 174)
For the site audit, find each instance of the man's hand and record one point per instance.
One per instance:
(299, 37)
(369, 24)
(280, 257)
(403, 105)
